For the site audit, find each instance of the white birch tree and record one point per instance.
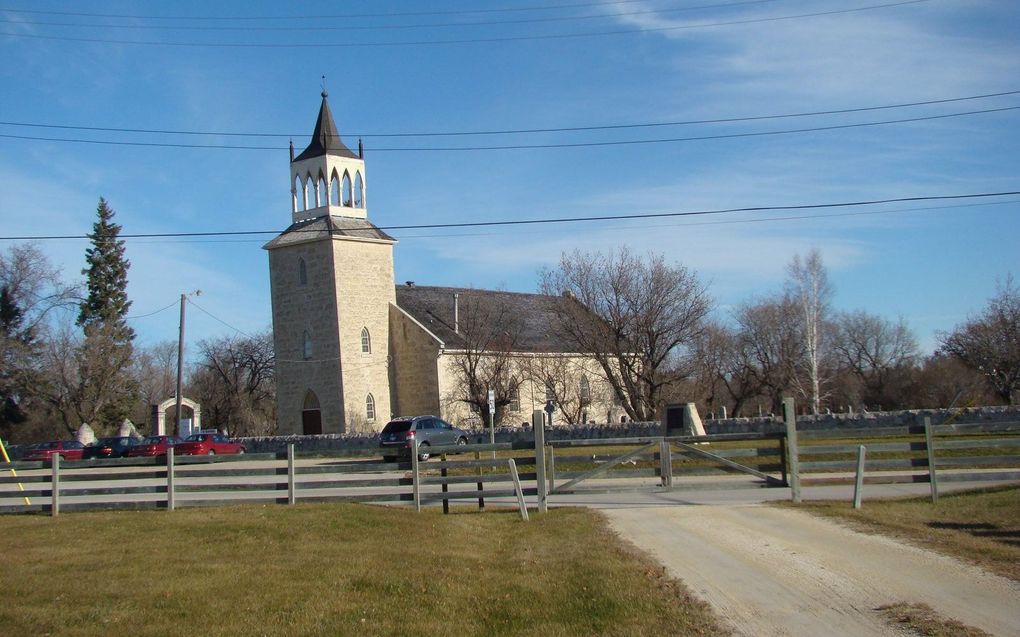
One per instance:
(809, 285)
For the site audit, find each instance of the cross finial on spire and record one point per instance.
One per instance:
(325, 93)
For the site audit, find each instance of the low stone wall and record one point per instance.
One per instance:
(368, 443)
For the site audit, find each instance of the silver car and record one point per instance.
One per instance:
(400, 434)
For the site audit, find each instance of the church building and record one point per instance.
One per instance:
(353, 349)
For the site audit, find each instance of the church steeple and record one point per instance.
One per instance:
(327, 178)
(325, 137)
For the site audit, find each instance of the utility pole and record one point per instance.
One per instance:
(180, 360)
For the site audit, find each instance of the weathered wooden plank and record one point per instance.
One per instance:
(979, 476)
(66, 491)
(945, 462)
(689, 449)
(978, 443)
(601, 470)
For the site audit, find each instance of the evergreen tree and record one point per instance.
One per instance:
(106, 354)
(107, 303)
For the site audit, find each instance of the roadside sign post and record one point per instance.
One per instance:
(492, 421)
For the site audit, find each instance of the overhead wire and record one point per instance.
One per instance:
(546, 7)
(520, 131)
(387, 27)
(626, 142)
(483, 40)
(216, 318)
(553, 220)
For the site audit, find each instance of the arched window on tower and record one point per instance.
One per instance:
(370, 408)
(321, 194)
(515, 397)
(347, 189)
(584, 391)
(334, 190)
(359, 190)
(295, 189)
(311, 192)
(302, 272)
(306, 349)
(300, 194)
(366, 341)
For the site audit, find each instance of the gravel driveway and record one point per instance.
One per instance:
(774, 571)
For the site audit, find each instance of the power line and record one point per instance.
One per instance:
(210, 315)
(334, 16)
(551, 220)
(163, 309)
(520, 131)
(518, 38)
(390, 27)
(627, 142)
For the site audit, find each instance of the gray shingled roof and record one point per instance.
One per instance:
(325, 137)
(433, 308)
(325, 226)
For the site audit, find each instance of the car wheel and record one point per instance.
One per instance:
(423, 451)
(211, 452)
(241, 450)
(462, 441)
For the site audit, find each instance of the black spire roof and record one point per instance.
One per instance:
(326, 138)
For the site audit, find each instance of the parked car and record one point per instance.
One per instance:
(152, 446)
(400, 434)
(207, 444)
(66, 449)
(113, 447)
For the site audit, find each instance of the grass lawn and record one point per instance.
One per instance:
(333, 569)
(981, 527)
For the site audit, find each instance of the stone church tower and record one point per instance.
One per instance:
(331, 282)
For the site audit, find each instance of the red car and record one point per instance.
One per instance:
(207, 444)
(152, 446)
(66, 449)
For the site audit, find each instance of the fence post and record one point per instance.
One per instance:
(443, 472)
(538, 425)
(415, 477)
(665, 463)
(792, 450)
(170, 479)
(291, 475)
(521, 504)
(55, 484)
(481, 485)
(552, 469)
(929, 441)
(859, 482)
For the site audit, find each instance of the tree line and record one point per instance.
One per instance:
(68, 355)
(650, 331)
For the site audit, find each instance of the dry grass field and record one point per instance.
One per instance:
(981, 527)
(333, 569)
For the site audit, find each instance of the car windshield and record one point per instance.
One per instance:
(396, 426)
(197, 438)
(109, 442)
(153, 440)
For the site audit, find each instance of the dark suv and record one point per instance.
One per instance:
(400, 434)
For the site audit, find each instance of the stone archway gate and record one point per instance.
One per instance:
(159, 414)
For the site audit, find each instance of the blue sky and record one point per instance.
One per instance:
(411, 67)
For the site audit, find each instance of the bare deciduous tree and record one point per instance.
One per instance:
(236, 385)
(490, 333)
(635, 316)
(990, 342)
(771, 347)
(31, 292)
(878, 353)
(809, 286)
(573, 384)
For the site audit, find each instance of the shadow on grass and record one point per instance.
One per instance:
(983, 530)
